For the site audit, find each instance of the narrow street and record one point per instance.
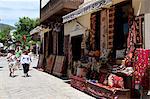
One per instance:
(39, 85)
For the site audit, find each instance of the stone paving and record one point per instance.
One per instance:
(39, 86)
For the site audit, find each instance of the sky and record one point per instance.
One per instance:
(12, 10)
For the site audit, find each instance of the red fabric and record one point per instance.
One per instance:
(141, 66)
(131, 40)
(79, 83)
(115, 81)
(102, 77)
(118, 82)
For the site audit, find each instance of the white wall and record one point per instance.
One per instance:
(147, 31)
(147, 6)
(74, 29)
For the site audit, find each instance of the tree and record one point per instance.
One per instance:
(23, 28)
(5, 34)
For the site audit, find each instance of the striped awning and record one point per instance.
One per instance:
(94, 6)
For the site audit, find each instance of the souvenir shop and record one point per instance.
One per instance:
(108, 59)
(51, 58)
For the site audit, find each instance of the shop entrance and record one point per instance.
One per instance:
(76, 47)
(121, 25)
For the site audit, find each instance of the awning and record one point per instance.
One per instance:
(38, 29)
(94, 6)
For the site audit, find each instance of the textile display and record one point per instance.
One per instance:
(111, 27)
(103, 77)
(141, 66)
(118, 68)
(103, 29)
(91, 74)
(128, 71)
(99, 90)
(50, 63)
(103, 91)
(131, 40)
(59, 65)
(128, 59)
(135, 37)
(93, 30)
(81, 72)
(69, 51)
(40, 61)
(104, 55)
(54, 42)
(79, 83)
(46, 44)
(87, 39)
(66, 45)
(66, 48)
(139, 37)
(115, 81)
(85, 44)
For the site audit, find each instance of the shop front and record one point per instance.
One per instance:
(109, 61)
(74, 32)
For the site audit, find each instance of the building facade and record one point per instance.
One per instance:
(51, 13)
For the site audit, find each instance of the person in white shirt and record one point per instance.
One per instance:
(25, 61)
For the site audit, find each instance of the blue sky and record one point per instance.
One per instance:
(11, 10)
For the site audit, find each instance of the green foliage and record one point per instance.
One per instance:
(23, 27)
(5, 34)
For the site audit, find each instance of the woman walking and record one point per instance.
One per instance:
(18, 55)
(12, 63)
(25, 61)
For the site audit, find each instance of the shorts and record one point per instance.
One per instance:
(12, 66)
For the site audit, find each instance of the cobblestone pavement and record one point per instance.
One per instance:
(39, 86)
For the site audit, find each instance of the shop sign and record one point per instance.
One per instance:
(86, 9)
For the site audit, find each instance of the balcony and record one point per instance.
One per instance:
(58, 8)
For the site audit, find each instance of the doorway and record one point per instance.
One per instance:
(121, 25)
(76, 47)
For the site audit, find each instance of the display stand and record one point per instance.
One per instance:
(99, 90)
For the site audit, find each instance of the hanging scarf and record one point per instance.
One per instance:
(131, 40)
